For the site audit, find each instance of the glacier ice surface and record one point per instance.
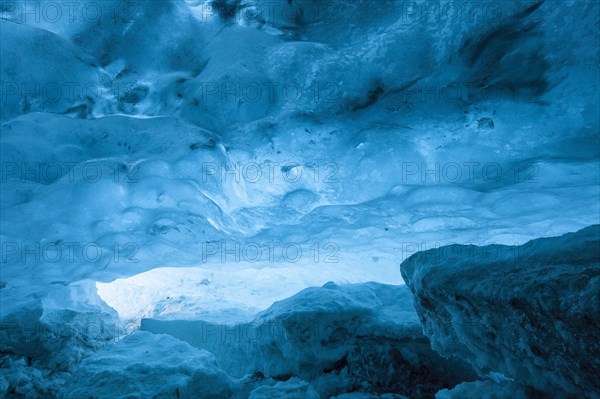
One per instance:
(148, 147)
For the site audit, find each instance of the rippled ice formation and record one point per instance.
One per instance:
(202, 158)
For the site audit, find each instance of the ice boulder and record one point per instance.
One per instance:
(485, 389)
(41, 344)
(340, 338)
(530, 312)
(145, 365)
(290, 389)
(362, 395)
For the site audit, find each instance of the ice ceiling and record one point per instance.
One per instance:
(236, 152)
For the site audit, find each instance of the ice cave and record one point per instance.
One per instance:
(320, 199)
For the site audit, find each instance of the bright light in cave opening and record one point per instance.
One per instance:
(221, 295)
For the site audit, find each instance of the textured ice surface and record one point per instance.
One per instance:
(147, 365)
(46, 67)
(292, 388)
(363, 337)
(337, 137)
(385, 168)
(531, 312)
(44, 341)
(362, 395)
(485, 389)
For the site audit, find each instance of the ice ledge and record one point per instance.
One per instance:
(530, 312)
